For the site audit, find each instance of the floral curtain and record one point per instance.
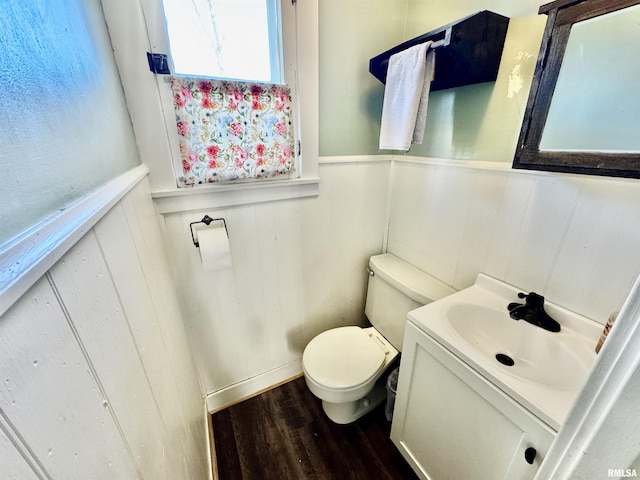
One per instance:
(232, 131)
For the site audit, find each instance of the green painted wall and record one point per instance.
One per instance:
(65, 128)
(351, 32)
(478, 122)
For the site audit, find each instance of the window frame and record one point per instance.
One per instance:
(288, 20)
(136, 28)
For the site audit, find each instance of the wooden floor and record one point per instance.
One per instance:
(284, 434)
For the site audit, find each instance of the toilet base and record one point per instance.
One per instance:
(348, 412)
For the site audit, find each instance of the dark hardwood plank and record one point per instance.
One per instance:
(284, 434)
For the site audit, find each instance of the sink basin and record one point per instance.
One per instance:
(542, 370)
(535, 353)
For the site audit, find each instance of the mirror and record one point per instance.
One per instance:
(592, 109)
(583, 110)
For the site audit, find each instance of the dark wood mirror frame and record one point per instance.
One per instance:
(562, 14)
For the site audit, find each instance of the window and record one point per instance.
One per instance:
(230, 39)
(233, 111)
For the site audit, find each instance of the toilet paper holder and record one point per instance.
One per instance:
(207, 221)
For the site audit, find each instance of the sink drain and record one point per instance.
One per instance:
(505, 359)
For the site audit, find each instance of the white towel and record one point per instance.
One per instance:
(406, 97)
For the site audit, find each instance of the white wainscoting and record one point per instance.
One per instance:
(298, 263)
(97, 380)
(572, 238)
(299, 268)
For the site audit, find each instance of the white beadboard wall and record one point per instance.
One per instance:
(96, 376)
(571, 238)
(299, 268)
(299, 264)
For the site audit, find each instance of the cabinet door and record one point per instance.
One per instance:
(450, 423)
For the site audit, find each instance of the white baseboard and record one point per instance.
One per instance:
(251, 386)
(211, 452)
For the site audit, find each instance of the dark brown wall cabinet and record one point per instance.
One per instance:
(471, 52)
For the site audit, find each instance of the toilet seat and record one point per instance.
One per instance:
(343, 358)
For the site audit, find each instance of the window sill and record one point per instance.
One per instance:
(221, 196)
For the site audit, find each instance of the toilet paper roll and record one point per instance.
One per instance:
(214, 249)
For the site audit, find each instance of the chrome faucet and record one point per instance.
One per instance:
(533, 312)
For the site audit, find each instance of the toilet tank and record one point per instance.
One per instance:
(395, 288)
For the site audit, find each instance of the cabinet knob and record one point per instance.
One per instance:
(530, 455)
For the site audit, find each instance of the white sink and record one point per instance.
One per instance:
(542, 370)
(536, 353)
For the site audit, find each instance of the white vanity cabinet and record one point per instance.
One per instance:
(451, 423)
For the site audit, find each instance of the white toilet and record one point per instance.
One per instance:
(344, 366)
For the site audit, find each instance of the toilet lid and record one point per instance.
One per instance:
(342, 357)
